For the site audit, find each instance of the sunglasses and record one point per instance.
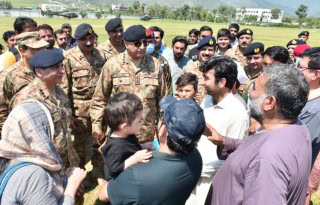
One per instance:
(139, 43)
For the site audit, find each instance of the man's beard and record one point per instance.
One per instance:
(51, 44)
(255, 108)
(178, 56)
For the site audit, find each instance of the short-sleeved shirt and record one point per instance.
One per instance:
(194, 54)
(310, 115)
(176, 68)
(31, 185)
(116, 151)
(166, 179)
(271, 167)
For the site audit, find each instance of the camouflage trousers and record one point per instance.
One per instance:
(67, 152)
(83, 144)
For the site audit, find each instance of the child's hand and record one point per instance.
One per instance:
(142, 156)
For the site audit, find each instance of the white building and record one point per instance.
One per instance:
(118, 7)
(51, 7)
(263, 15)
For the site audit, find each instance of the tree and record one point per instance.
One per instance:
(301, 11)
(98, 15)
(83, 14)
(6, 5)
(275, 12)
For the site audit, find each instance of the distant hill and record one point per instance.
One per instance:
(289, 6)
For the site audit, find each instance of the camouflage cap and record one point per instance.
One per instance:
(31, 39)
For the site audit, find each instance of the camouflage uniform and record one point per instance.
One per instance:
(79, 83)
(12, 80)
(109, 50)
(244, 86)
(237, 55)
(4, 109)
(60, 110)
(166, 72)
(195, 69)
(120, 75)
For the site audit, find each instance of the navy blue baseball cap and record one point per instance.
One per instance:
(207, 41)
(184, 119)
(253, 49)
(82, 31)
(46, 58)
(135, 33)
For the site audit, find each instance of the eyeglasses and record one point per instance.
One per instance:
(301, 68)
(139, 43)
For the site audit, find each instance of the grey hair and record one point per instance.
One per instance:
(290, 88)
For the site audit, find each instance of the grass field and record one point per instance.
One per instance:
(270, 36)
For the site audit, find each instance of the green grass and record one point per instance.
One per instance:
(269, 36)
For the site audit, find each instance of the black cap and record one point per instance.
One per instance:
(253, 49)
(295, 42)
(82, 31)
(184, 119)
(207, 41)
(245, 32)
(304, 33)
(113, 24)
(46, 58)
(135, 33)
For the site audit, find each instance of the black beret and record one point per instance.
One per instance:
(207, 41)
(304, 33)
(244, 32)
(46, 58)
(295, 42)
(253, 49)
(135, 33)
(82, 31)
(113, 24)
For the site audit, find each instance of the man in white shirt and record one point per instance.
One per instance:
(227, 116)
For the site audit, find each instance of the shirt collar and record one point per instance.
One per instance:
(226, 101)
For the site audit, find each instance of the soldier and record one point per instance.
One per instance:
(83, 65)
(115, 44)
(164, 63)
(291, 45)
(254, 54)
(48, 68)
(21, 25)
(206, 49)
(244, 38)
(204, 32)
(304, 36)
(135, 72)
(19, 75)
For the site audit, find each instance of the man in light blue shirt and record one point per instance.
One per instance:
(158, 47)
(178, 61)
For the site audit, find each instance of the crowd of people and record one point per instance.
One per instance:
(204, 121)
